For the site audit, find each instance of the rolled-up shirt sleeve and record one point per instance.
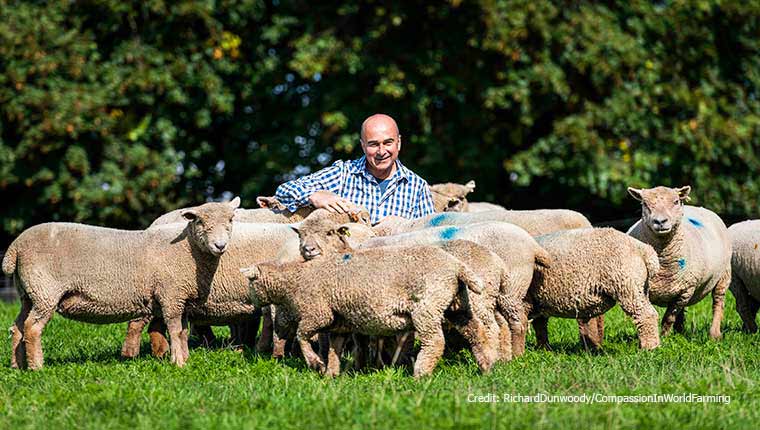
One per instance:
(295, 194)
(424, 204)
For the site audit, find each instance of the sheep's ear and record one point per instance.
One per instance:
(295, 229)
(635, 193)
(251, 273)
(235, 203)
(344, 231)
(683, 193)
(470, 185)
(262, 201)
(189, 214)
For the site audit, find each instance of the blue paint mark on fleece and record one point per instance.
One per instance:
(681, 263)
(448, 233)
(346, 257)
(437, 220)
(695, 222)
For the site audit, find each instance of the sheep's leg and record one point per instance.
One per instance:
(307, 328)
(599, 328)
(404, 348)
(33, 325)
(679, 326)
(323, 342)
(184, 337)
(266, 340)
(176, 325)
(334, 350)
(131, 346)
(203, 333)
(18, 349)
(668, 319)
(430, 333)
(540, 325)
(361, 346)
(588, 333)
(746, 306)
(719, 295)
(159, 346)
(644, 317)
(513, 313)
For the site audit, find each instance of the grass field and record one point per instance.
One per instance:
(85, 385)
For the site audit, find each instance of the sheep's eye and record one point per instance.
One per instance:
(329, 233)
(677, 202)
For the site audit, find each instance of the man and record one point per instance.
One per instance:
(377, 181)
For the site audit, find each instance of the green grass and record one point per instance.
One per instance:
(84, 384)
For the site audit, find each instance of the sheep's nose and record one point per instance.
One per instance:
(659, 221)
(220, 245)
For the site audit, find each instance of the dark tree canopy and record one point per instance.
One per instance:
(114, 112)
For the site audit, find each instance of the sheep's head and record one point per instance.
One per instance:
(210, 225)
(256, 292)
(661, 207)
(320, 234)
(451, 197)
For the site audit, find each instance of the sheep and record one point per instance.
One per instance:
(451, 197)
(745, 271)
(591, 270)
(535, 222)
(102, 275)
(694, 249)
(343, 294)
(517, 249)
(227, 300)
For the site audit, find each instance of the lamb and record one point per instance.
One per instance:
(102, 275)
(518, 251)
(745, 271)
(343, 294)
(591, 270)
(694, 250)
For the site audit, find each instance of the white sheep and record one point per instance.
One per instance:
(103, 275)
(745, 271)
(694, 251)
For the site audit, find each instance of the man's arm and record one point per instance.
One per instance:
(424, 204)
(295, 194)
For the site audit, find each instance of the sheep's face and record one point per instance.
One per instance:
(661, 207)
(450, 197)
(210, 225)
(320, 235)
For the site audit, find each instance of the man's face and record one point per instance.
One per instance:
(381, 145)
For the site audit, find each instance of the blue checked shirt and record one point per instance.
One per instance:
(407, 195)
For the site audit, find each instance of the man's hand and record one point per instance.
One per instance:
(331, 202)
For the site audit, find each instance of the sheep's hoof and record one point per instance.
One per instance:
(131, 351)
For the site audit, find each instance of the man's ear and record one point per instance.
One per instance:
(635, 193)
(189, 214)
(344, 231)
(399, 143)
(683, 193)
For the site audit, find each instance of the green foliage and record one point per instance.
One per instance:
(113, 112)
(85, 385)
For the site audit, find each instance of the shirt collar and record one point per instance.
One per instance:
(359, 167)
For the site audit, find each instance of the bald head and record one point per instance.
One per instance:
(381, 143)
(381, 123)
